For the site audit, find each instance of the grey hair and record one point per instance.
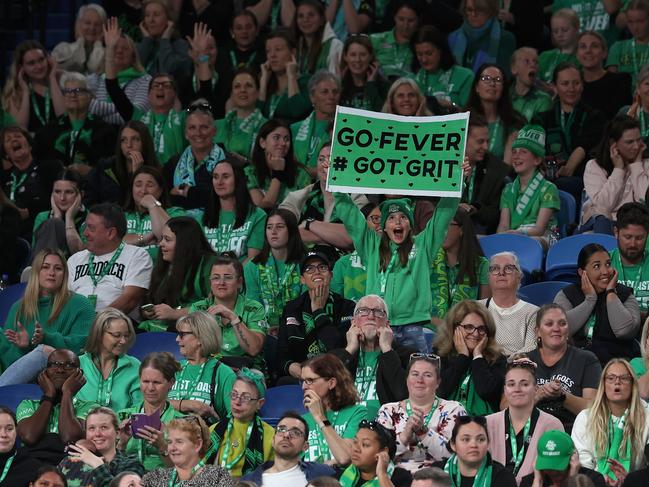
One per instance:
(322, 75)
(93, 6)
(377, 297)
(73, 76)
(512, 255)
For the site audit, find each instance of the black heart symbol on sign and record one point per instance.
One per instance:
(405, 157)
(416, 126)
(410, 184)
(443, 125)
(344, 120)
(358, 179)
(368, 121)
(334, 178)
(383, 180)
(390, 128)
(462, 129)
(349, 150)
(457, 154)
(376, 139)
(423, 155)
(435, 179)
(371, 152)
(401, 173)
(453, 184)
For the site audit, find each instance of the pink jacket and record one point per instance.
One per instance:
(497, 448)
(607, 193)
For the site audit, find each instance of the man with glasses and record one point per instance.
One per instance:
(289, 443)
(45, 426)
(514, 318)
(315, 322)
(377, 363)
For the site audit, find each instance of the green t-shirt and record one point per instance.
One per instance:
(629, 57)
(638, 366)
(303, 179)
(365, 381)
(194, 382)
(224, 238)
(592, 16)
(452, 85)
(395, 59)
(27, 408)
(546, 196)
(252, 314)
(636, 277)
(349, 277)
(345, 422)
(140, 224)
(147, 454)
(167, 131)
(309, 135)
(238, 135)
(548, 60)
(120, 390)
(532, 103)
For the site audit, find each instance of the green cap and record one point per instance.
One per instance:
(393, 206)
(554, 451)
(532, 138)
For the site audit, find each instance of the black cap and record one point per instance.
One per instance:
(314, 255)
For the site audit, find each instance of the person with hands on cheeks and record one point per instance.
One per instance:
(315, 322)
(317, 45)
(423, 422)
(373, 451)
(282, 91)
(203, 384)
(604, 316)
(557, 461)
(618, 174)
(362, 84)
(333, 413)
(472, 363)
(95, 460)
(377, 362)
(46, 426)
(157, 377)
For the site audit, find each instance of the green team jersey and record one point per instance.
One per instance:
(629, 57)
(140, 224)
(365, 381)
(531, 103)
(167, 131)
(395, 59)
(344, 421)
(349, 277)
(224, 238)
(452, 85)
(636, 277)
(545, 196)
(28, 407)
(548, 60)
(592, 16)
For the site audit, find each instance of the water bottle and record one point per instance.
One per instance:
(4, 282)
(551, 169)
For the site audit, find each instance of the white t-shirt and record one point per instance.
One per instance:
(293, 477)
(132, 268)
(514, 325)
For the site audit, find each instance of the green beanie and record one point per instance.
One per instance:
(532, 138)
(393, 206)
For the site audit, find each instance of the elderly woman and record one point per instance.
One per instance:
(405, 98)
(188, 442)
(472, 365)
(86, 54)
(312, 133)
(423, 422)
(111, 375)
(203, 384)
(612, 433)
(566, 376)
(514, 318)
(76, 138)
(481, 38)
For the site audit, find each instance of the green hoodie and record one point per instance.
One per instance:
(407, 289)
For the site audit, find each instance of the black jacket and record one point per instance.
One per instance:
(490, 179)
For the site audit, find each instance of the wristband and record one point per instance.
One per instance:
(279, 175)
(611, 291)
(324, 424)
(47, 398)
(203, 58)
(308, 223)
(180, 406)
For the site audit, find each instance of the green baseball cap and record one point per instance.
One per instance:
(554, 451)
(532, 138)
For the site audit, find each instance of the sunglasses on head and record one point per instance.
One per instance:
(200, 107)
(378, 428)
(462, 420)
(429, 357)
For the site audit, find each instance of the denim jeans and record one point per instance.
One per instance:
(414, 336)
(25, 369)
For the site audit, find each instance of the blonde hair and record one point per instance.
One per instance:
(195, 428)
(102, 321)
(108, 412)
(569, 15)
(12, 93)
(206, 330)
(28, 309)
(422, 109)
(600, 413)
(643, 343)
(444, 338)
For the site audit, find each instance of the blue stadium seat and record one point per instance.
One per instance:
(528, 250)
(541, 293)
(561, 262)
(567, 213)
(279, 400)
(11, 396)
(8, 297)
(155, 341)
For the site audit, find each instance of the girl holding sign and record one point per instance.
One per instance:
(398, 263)
(528, 204)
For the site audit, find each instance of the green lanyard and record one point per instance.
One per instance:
(617, 263)
(383, 276)
(200, 374)
(518, 455)
(174, 476)
(8, 463)
(15, 184)
(274, 102)
(37, 111)
(634, 57)
(428, 416)
(237, 65)
(643, 123)
(566, 125)
(590, 327)
(496, 138)
(226, 449)
(469, 193)
(465, 383)
(140, 441)
(364, 387)
(106, 388)
(91, 265)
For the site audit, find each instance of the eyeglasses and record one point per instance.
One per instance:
(377, 312)
(74, 91)
(613, 378)
(183, 334)
(201, 107)
(310, 380)
(310, 269)
(292, 433)
(429, 357)
(118, 336)
(244, 398)
(494, 270)
(470, 329)
(374, 219)
(167, 85)
(62, 365)
(224, 277)
(496, 80)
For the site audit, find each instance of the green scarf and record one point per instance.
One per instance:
(167, 131)
(184, 172)
(482, 478)
(446, 293)
(351, 477)
(311, 136)
(276, 291)
(526, 201)
(128, 74)
(467, 395)
(254, 452)
(69, 140)
(615, 438)
(239, 133)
